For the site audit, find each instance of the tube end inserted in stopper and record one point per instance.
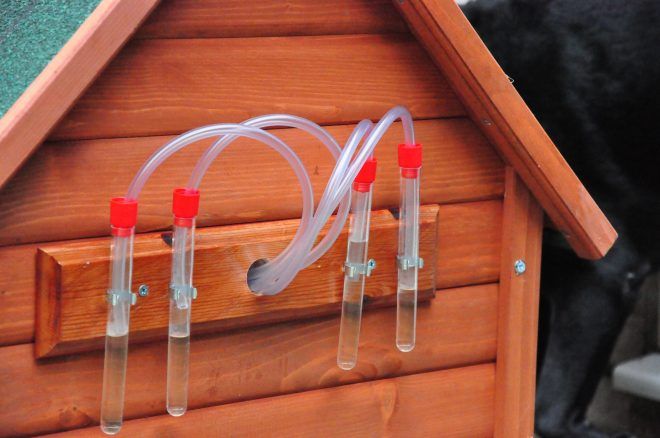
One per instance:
(185, 206)
(366, 176)
(123, 213)
(410, 159)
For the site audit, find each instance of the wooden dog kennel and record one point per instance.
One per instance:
(137, 73)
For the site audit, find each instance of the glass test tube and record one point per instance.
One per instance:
(116, 339)
(181, 296)
(354, 278)
(406, 314)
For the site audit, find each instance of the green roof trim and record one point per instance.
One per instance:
(32, 32)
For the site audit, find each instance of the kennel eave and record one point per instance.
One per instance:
(121, 87)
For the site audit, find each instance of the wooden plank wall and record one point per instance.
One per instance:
(199, 62)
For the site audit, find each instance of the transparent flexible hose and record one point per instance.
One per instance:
(277, 274)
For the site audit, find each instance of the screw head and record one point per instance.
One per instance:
(143, 290)
(519, 267)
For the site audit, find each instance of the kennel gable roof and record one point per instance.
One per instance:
(452, 43)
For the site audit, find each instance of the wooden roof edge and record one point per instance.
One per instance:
(502, 115)
(34, 114)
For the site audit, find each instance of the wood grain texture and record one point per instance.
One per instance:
(51, 94)
(262, 18)
(452, 403)
(247, 364)
(157, 87)
(469, 241)
(518, 310)
(498, 109)
(73, 279)
(76, 180)
(17, 293)
(468, 249)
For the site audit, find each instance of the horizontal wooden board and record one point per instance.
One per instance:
(452, 403)
(260, 18)
(469, 243)
(157, 87)
(70, 197)
(471, 258)
(73, 279)
(457, 328)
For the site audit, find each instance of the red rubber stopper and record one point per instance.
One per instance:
(410, 159)
(185, 205)
(366, 176)
(123, 216)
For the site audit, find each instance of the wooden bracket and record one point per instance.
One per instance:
(73, 277)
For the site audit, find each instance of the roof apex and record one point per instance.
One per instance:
(504, 118)
(492, 101)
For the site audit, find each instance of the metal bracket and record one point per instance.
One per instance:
(176, 291)
(406, 263)
(352, 270)
(114, 297)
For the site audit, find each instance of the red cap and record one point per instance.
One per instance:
(123, 216)
(185, 205)
(410, 159)
(365, 176)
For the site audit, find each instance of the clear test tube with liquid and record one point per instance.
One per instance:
(123, 217)
(356, 267)
(408, 260)
(182, 292)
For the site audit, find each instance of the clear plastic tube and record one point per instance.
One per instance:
(274, 267)
(232, 130)
(181, 295)
(408, 260)
(356, 270)
(274, 276)
(116, 340)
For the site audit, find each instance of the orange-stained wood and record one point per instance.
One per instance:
(233, 18)
(518, 308)
(157, 87)
(17, 293)
(64, 393)
(73, 279)
(468, 245)
(498, 109)
(70, 198)
(469, 241)
(452, 403)
(30, 119)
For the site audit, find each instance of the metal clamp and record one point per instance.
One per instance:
(114, 297)
(406, 263)
(352, 270)
(176, 291)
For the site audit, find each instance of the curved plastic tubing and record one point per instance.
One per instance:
(274, 276)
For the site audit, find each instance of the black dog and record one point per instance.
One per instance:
(590, 71)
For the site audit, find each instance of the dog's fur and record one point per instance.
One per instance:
(589, 70)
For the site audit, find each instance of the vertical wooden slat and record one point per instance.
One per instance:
(518, 303)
